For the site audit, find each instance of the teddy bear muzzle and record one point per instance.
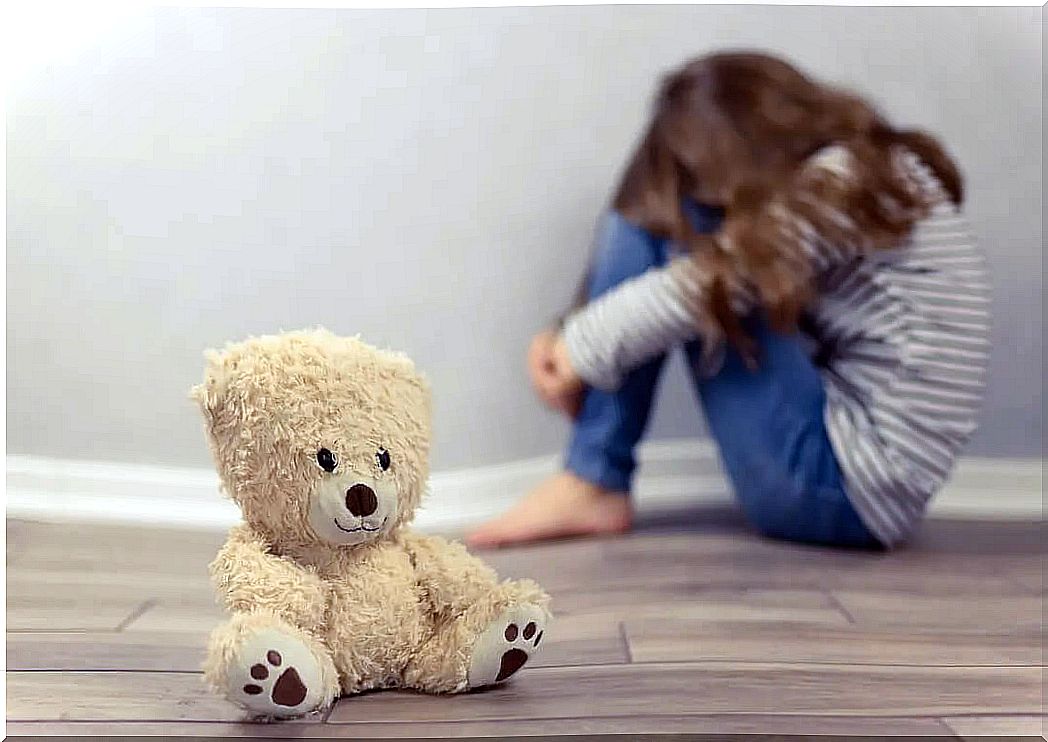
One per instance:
(350, 510)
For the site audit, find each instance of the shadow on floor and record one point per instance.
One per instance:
(943, 535)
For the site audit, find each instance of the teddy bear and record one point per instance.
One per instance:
(322, 441)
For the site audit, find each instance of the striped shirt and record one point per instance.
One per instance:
(908, 328)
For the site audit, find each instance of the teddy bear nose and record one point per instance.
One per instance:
(361, 500)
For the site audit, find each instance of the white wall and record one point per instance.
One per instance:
(430, 179)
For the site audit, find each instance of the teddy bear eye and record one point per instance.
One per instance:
(327, 460)
(382, 457)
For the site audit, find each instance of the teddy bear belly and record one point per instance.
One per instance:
(373, 630)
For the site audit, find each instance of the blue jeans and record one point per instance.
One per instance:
(768, 423)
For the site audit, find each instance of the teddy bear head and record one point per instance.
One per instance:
(318, 438)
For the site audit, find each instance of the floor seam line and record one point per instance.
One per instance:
(136, 614)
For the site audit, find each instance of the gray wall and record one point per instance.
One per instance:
(429, 179)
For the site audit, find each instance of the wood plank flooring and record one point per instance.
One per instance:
(689, 625)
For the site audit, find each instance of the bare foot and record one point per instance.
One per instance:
(563, 505)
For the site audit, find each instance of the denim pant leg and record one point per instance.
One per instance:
(771, 432)
(610, 424)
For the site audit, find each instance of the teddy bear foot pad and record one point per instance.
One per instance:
(506, 645)
(275, 675)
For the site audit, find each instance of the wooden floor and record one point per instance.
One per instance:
(698, 628)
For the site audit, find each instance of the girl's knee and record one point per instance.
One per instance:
(623, 251)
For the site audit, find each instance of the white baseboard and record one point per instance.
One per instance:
(672, 474)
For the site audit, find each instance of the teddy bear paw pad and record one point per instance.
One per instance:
(276, 675)
(507, 645)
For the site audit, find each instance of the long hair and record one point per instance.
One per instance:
(732, 130)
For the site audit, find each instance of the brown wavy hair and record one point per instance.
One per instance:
(732, 130)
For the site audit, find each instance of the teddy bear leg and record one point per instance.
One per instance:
(508, 642)
(270, 667)
(486, 644)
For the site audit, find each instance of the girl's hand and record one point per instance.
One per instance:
(552, 375)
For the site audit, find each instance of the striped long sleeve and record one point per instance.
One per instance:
(638, 320)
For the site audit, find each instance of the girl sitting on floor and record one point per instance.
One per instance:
(814, 263)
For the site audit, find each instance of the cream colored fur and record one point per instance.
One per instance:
(399, 609)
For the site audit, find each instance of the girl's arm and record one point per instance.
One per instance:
(637, 320)
(802, 231)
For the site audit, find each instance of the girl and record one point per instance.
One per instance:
(815, 265)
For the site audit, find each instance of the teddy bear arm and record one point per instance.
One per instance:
(453, 578)
(251, 579)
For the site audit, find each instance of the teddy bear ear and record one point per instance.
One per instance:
(210, 394)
